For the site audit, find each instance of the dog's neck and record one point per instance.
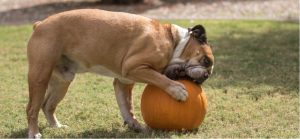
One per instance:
(183, 38)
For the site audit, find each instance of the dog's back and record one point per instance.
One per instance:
(86, 28)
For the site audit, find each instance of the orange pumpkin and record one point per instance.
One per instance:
(161, 111)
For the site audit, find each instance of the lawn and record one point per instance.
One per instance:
(254, 90)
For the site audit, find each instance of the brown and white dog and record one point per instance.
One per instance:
(127, 47)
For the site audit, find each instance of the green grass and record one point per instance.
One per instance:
(252, 93)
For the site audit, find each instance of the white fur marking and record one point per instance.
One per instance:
(184, 38)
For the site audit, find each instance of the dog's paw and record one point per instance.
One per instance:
(59, 126)
(36, 136)
(135, 126)
(178, 91)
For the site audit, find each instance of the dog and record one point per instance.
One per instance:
(130, 48)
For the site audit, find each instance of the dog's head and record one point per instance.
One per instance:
(196, 59)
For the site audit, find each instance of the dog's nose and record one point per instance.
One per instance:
(206, 75)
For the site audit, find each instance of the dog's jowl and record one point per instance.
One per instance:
(126, 47)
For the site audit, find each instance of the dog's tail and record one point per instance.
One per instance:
(36, 24)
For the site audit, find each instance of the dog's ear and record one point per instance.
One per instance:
(199, 33)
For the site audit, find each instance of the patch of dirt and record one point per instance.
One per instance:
(29, 11)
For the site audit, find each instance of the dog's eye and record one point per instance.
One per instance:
(207, 62)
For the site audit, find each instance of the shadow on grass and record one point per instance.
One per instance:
(22, 133)
(106, 133)
(249, 58)
(113, 133)
(116, 133)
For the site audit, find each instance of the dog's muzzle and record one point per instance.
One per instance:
(195, 73)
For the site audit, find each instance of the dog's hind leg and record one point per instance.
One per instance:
(38, 78)
(123, 94)
(40, 69)
(57, 89)
(42, 58)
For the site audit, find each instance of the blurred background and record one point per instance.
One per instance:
(28, 11)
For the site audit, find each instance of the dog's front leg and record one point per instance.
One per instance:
(123, 94)
(148, 75)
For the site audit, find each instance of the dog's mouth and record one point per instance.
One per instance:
(195, 73)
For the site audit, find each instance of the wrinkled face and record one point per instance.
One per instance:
(195, 63)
